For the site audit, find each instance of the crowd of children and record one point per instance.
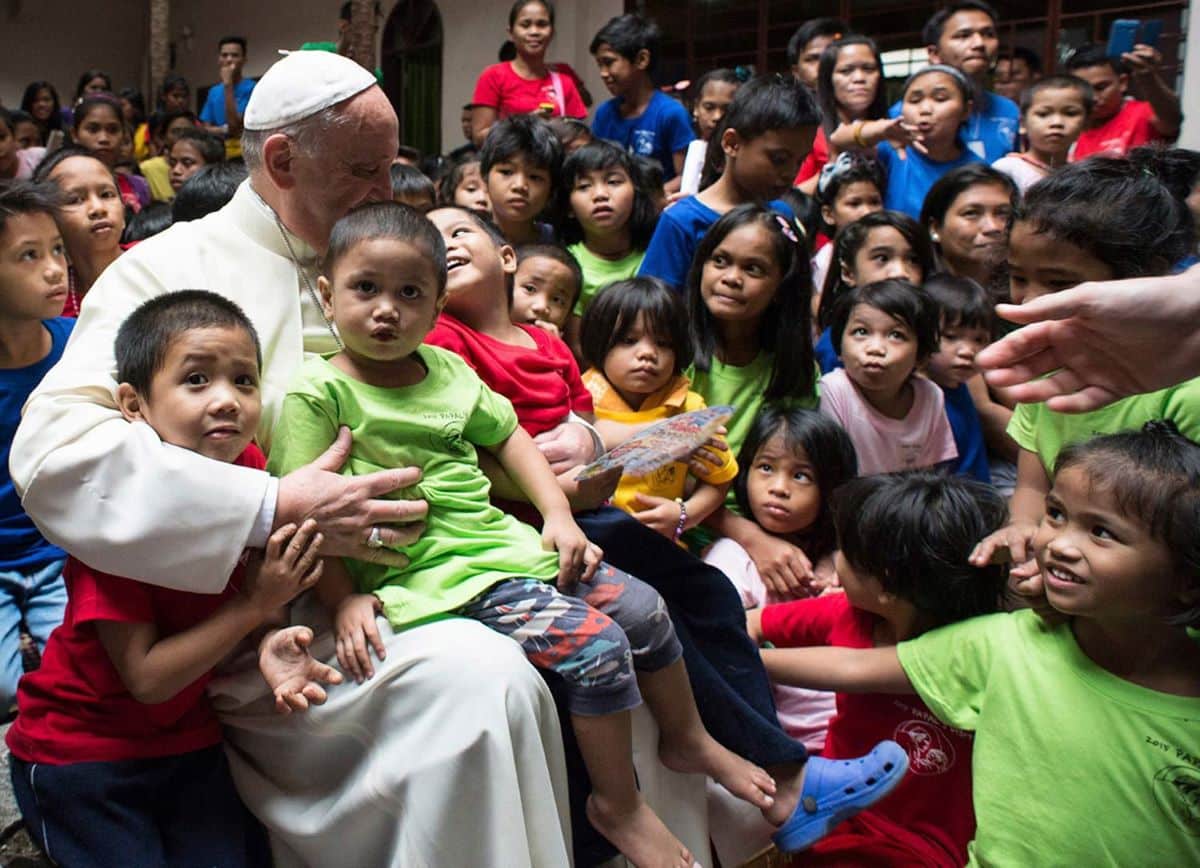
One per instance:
(957, 595)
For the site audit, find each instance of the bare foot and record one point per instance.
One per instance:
(788, 782)
(639, 834)
(704, 755)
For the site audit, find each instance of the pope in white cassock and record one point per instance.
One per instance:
(451, 754)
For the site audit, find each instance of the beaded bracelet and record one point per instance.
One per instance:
(682, 517)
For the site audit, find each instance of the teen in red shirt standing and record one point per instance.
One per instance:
(526, 84)
(1119, 124)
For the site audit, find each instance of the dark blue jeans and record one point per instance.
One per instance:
(725, 670)
(168, 812)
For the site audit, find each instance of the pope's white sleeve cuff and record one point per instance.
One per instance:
(260, 531)
(597, 441)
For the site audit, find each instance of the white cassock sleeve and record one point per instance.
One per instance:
(111, 493)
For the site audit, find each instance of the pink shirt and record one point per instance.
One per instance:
(921, 439)
(803, 714)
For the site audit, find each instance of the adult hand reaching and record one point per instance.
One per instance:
(1099, 342)
(347, 508)
(566, 446)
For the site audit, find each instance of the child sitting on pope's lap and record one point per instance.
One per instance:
(406, 402)
(116, 752)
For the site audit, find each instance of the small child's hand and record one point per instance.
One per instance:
(592, 492)
(710, 455)
(661, 514)
(577, 558)
(548, 327)
(783, 567)
(290, 565)
(291, 672)
(1012, 543)
(354, 623)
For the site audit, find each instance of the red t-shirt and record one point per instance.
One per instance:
(543, 383)
(816, 159)
(500, 87)
(929, 819)
(75, 707)
(1131, 126)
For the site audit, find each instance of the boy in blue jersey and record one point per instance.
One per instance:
(639, 117)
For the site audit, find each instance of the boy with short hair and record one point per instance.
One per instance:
(1054, 112)
(33, 289)
(639, 117)
(519, 163)
(1119, 124)
(1017, 69)
(412, 187)
(226, 102)
(545, 287)
(808, 43)
(116, 753)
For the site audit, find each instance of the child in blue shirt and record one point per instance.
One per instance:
(639, 117)
(966, 312)
(937, 104)
(33, 289)
(767, 133)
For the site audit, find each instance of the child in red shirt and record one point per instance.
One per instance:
(904, 541)
(537, 372)
(1117, 124)
(116, 753)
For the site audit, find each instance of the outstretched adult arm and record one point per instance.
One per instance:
(1102, 341)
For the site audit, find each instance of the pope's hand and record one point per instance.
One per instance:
(346, 508)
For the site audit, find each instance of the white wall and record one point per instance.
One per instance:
(57, 40)
(268, 26)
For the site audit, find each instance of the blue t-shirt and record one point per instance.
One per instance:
(660, 132)
(826, 356)
(678, 234)
(21, 544)
(909, 180)
(991, 129)
(968, 434)
(214, 105)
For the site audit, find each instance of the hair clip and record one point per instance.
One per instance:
(743, 73)
(831, 170)
(786, 228)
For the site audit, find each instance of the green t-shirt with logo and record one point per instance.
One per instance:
(1072, 765)
(468, 545)
(599, 272)
(1041, 430)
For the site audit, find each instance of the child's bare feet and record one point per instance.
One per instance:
(639, 834)
(704, 755)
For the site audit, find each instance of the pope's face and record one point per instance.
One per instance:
(350, 168)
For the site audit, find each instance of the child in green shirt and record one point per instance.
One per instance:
(1102, 219)
(413, 404)
(1086, 732)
